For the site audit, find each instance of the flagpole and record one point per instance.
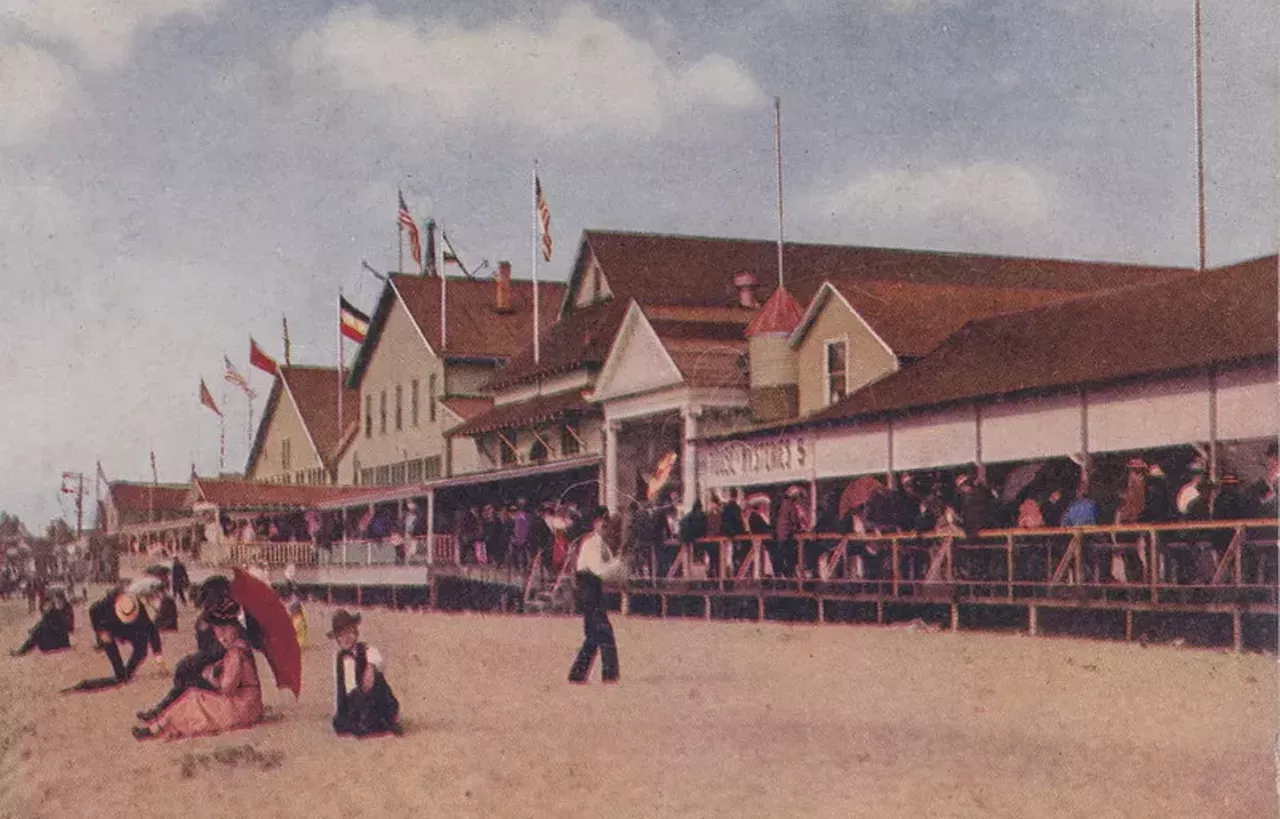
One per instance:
(777, 148)
(1200, 219)
(341, 428)
(222, 431)
(535, 262)
(399, 232)
(444, 304)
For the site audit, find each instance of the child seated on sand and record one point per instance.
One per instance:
(365, 704)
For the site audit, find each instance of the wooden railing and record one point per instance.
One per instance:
(440, 550)
(1158, 559)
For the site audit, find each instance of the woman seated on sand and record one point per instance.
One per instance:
(51, 633)
(237, 702)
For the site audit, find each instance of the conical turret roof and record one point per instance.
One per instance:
(781, 314)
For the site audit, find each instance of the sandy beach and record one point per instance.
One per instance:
(711, 719)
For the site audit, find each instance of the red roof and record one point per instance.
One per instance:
(142, 497)
(315, 392)
(466, 407)
(581, 339)
(1221, 316)
(475, 328)
(915, 318)
(780, 314)
(230, 494)
(709, 363)
(699, 271)
(523, 413)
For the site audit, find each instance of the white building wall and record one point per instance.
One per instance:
(1247, 404)
(1163, 413)
(1028, 428)
(937, 439)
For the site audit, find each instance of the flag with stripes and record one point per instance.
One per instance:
(260, 359)
(231, 374)
(415, 242)
(206, 398)
(450, 255)
(544, 217)
(353, 323)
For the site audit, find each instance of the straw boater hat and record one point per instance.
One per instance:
(343, 620)
(126, 608)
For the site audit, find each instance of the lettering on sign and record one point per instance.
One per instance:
(747, 461)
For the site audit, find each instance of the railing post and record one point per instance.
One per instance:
(895, 552)
(1154, 557)
(1009, 565)
(368, 553)
(1238, 567)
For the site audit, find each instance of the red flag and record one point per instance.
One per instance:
(544, 217)
(260, 359)
(206, 398)
(415, 244)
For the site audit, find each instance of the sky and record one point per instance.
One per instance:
(177, 174)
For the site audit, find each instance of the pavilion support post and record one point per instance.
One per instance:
(1237, 631)
(955, 617)
(1033, 620)
(431, 526)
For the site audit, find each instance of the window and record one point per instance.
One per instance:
(368, 416)
(570, 440)
(285, 455)
(355, 469)
(431, 467)
(413, 473)
(509, 455)
(413, 401)
(397, 473)
(837, 372)
(399, 408)
(382, 412)
(431, 397)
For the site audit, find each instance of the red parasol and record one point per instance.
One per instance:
(858, 492)
(280, 640)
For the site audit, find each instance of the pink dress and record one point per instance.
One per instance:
(236, 704)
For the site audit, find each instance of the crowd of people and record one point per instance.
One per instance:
(965, 504)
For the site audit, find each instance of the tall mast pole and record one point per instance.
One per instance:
(777, 149)
(535, 262)
(1200, 218)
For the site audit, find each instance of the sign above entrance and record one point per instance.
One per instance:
(772, 460)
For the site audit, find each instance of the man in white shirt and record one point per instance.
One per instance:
(595, 563)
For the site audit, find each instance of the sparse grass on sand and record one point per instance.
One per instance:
(711, 719)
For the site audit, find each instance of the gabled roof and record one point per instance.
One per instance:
(536, 410)
(698, 271)
(912, 318)
(710, 362)
(314, 392)
(474, 329)
(581, 339)
(1221, 316)
(142, 497)
(467, 407)
(780, 314)
(254, 495)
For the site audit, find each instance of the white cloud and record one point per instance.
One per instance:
(35, 90)
(103, 30)
(983, 201)
(583, 74)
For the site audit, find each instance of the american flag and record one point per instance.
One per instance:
(230, 373)
(544, 217)
(406, 221)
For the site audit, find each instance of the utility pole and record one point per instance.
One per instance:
(80, 506)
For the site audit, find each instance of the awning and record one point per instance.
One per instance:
(365, 496)
(523, 413)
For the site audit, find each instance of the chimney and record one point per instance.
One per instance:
(502, 288)
(746, 284)
(429, 266)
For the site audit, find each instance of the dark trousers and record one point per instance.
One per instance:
(598, 633)
(121, 669)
